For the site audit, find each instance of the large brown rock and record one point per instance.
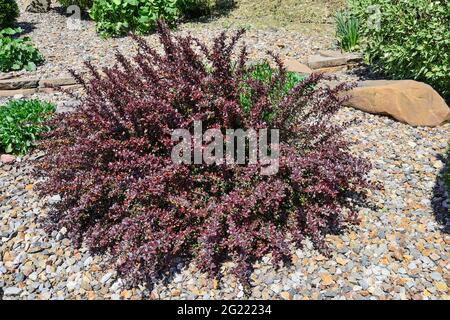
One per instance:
(408, 101)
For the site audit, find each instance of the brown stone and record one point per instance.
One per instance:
(48, 83)
(12, 93)
(176, 292)
(286, 295)
(326, 279)
(319, 61)
(55, 89)
(7, 158)
(332, 69)
(350, 57)
(15, 84)
(296, 66)
(408, 101)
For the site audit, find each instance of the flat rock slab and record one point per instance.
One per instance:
(332, 69)
(350, 56)
(26, 92)
(408, 101)
(16, 84)
(296, 66)
(329, 58)
(48, 83)
(19, 86)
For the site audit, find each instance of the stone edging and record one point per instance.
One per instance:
(16, 86)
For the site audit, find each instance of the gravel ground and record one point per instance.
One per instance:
(399, 251)
(64, 48)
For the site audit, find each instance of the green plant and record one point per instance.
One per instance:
(407, 39)
(17, 53)
(21, 123)
(117, 17)
(9, 11)
(84, 5)
(195, 8)
(263, 72)
(347, 31)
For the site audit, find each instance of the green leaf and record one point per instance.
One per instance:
(31, 66)
(9, 31)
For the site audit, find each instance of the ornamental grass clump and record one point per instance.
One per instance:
(121, 193)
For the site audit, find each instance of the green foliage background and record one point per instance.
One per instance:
(21, 123)
(17, 53)
(9, 11)
(412, 42)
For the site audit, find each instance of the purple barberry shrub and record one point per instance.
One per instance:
(110, 162)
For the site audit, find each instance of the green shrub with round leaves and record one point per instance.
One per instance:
(195, 8)
(17, 53)
(21, 123)
(9, 11)
(117, 17)
(407, 39)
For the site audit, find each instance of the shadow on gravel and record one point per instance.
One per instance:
(27, 27)
(440, 197)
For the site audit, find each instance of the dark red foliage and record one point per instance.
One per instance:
(120, 192)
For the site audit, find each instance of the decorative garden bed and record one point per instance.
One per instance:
(399, 250)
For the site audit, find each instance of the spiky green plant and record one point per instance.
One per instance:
(347, 31)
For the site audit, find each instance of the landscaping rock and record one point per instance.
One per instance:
(7, 158)
(350, 57)
(330, 59)
(38, 6)
(295, 66)
(332, 70)
(48, 83)
(319, 61)
(15, 84)
(408, 101)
